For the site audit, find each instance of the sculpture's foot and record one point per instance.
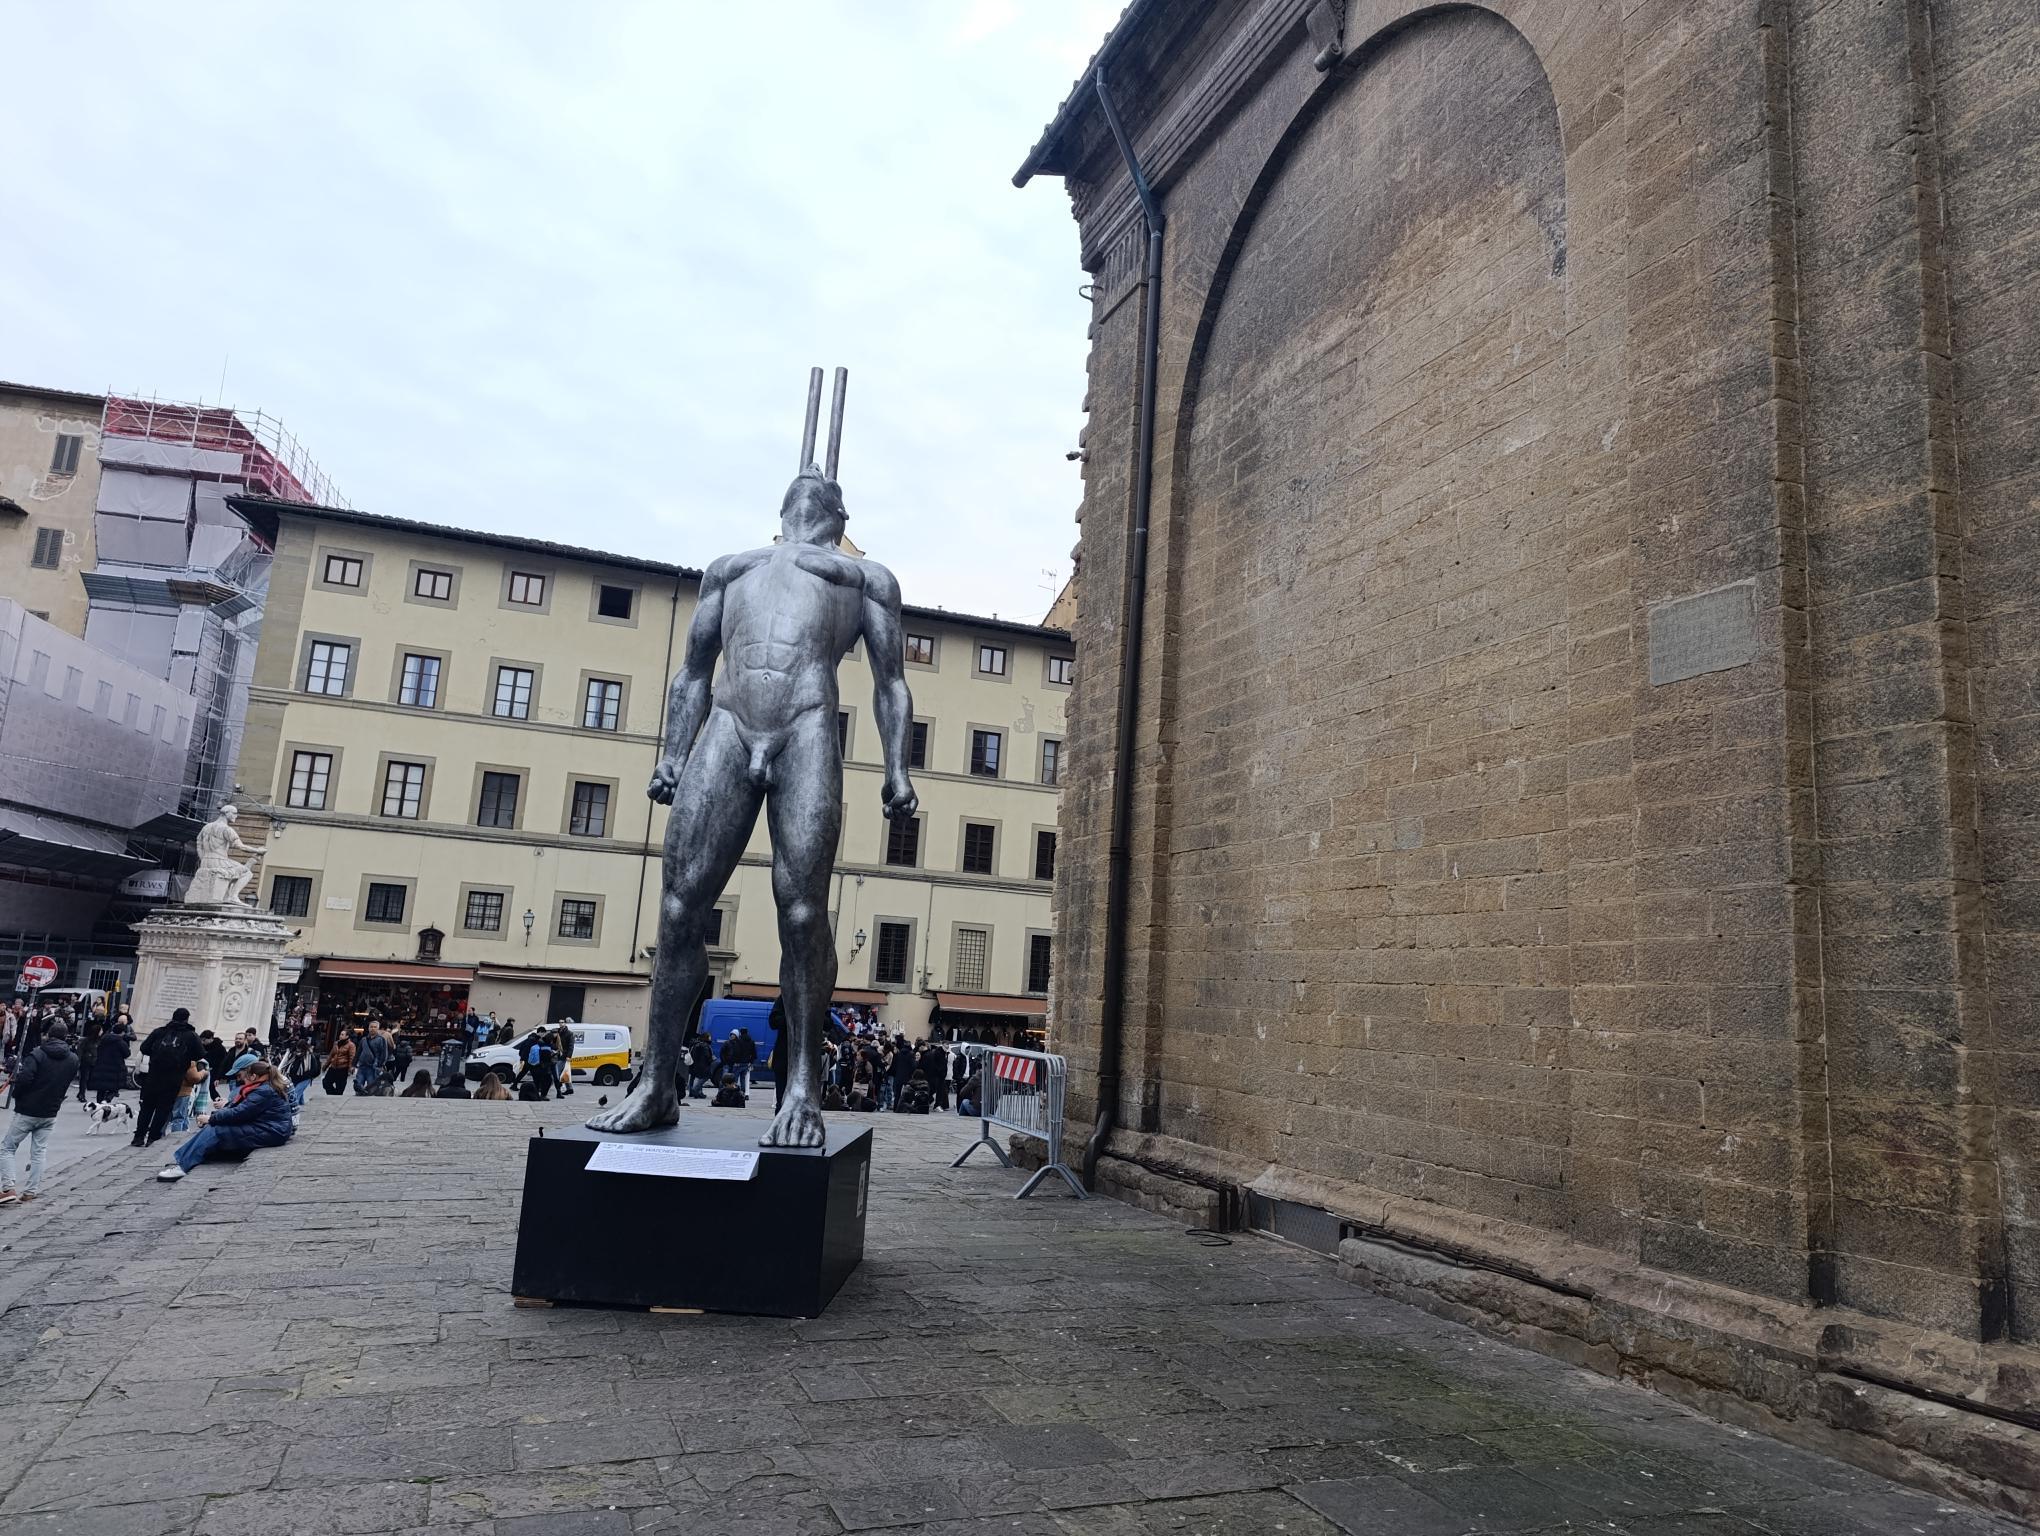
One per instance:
(645, 1110)
(798, 1124)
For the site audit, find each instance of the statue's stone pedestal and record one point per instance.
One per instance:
(780, 1244)
(220, 961)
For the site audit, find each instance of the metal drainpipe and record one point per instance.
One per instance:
(1111, 1017)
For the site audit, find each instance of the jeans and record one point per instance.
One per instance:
(743, 1078)
(697, 1085)
(194, 1151)
(37, 1129)
(885, 1093)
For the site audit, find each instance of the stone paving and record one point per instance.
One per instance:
(321, 1341)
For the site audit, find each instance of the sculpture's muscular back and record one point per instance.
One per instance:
(790, 613)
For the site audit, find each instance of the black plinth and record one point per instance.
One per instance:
(778, 1245)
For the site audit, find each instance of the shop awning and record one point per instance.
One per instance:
(992, 1002)
(395, 970)
(768, 992)
(564, 978)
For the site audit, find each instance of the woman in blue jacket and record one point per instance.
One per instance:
(259, 1116)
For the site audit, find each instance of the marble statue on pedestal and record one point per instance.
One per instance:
(221, 877)
(781, 619)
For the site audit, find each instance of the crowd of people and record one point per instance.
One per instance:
(227, 1092)
(235, 1095)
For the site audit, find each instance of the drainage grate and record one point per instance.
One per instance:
(1304, 1225)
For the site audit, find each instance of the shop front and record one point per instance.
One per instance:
(991, 1018)
(426, 1001)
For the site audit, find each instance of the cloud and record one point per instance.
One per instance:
(502, 266)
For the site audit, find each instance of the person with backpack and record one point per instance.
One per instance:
(373, 1061)
(170, 1049)
(40, 1083)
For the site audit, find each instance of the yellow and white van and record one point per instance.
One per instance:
(602, 1053)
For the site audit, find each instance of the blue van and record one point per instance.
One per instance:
(722, 1017)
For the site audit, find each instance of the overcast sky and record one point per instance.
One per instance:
(561, 271)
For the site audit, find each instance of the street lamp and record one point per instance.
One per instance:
(530, 917)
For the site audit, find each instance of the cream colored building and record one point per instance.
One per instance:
(448, 741)
(49, 490)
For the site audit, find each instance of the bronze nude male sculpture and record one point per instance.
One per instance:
(781, 619)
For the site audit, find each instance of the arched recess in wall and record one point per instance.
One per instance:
(1366, 528)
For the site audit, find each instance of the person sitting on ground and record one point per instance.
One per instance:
(491, 1087)
(421, 1086)
(917, 1097)
(259, 1116)
(454, 1088)
(861, 1102)
(729, 1096)
(832, 1098)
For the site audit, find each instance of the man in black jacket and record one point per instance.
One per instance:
(39, 1086)
(171, 1049)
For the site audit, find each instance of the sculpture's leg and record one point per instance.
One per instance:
(804, 809)
(714, 809)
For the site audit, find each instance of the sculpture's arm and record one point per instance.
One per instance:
(687, 699)
(891, 701)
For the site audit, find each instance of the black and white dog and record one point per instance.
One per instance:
(114, 1114)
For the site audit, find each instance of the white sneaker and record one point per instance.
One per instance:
(170, 1175)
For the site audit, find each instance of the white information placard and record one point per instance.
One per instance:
(674, 1162)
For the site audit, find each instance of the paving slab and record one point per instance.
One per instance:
(283, 1344)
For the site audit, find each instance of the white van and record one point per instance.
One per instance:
(602, 1055)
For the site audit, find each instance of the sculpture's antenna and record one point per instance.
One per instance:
(835, 418)
(814, 416)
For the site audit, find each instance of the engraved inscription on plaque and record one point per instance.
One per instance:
(178, 988)
(1707, 632)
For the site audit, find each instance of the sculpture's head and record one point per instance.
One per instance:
(812, 512)
(229, 814)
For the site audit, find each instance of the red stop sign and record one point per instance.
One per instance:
(38, 971)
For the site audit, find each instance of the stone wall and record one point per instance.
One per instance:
(1583, 810)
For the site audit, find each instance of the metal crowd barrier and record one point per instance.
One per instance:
(1021, 1091)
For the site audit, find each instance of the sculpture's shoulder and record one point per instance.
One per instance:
(725, 569)
(880, 585)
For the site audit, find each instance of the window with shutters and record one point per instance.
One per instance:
(290, 896)
(895, 945)
(310, 775)
(590, 814)
(1044, 855)
(917, 744)
(49, 549)
(403, 789)
(978, 841)
(984, 753)
(64, 459)
(903, 842)
(484, 912)
(498, 804)
(602, 709)
(326, 664)
(420, 685)
(385, 903)
(967, 959)
(1040, 948)
(513, 693)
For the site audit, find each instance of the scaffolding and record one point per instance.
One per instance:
(273, 462)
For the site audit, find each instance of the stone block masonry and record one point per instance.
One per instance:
(1584, 818)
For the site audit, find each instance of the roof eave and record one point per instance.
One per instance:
(1041, 158)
